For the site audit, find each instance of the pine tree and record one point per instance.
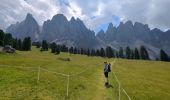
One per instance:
(88, 52)
(19, 44)
(29, 43)
(15, 43)
(143, 53)
(44, 46)
(102, 52)
(8, 39)
(26, 46)
(93, 53)
(63, 48)
(57, 49)
(164, 56)
(136, 54)
(121, 55)
(53, 47)
(2, 35)
(97, 52)
(128, 52)
(109, 52)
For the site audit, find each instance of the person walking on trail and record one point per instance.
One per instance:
(106, 72)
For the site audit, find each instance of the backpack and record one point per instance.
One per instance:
(109, 69)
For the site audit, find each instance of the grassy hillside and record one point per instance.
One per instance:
(142, 80)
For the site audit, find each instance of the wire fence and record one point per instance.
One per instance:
(119, 88)
(54, 72)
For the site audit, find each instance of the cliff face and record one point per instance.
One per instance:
(59, 29)
(28, 27)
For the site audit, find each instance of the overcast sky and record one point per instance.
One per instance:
(96, 14)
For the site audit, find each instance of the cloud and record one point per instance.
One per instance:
(14, 11)
(94, 13)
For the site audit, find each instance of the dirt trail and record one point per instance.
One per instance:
(101, 89)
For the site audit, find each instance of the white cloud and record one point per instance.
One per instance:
(92, 12)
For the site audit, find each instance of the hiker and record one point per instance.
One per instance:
(106, 71)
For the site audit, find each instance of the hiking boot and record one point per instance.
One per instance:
(106, 83)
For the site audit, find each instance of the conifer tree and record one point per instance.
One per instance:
(143, 53)
(15, 43)
(88, 52)
(19, 44)
(128, 52)
(136, 54)
(93, 53)
(102, 52)
(57, 49)
(121, 54)
(164, 56)
(8, 39)
(75, 50)
(109, 52)
(44, 46)
(53, 47)
(26, 45)
(97, 52)
(2, 35)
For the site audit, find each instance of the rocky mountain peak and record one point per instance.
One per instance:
(30, 20)
(110, 26)
(28, 27)
(59, 17)
(72, 19)
(156, 30)
(129, 23)
(137, 24)
(29, 16)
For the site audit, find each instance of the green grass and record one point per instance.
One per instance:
(142, 80)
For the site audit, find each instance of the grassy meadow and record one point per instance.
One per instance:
(142, 80)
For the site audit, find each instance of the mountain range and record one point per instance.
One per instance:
(73, 32)
(58, 29)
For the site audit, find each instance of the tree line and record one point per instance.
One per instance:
(18, 44)
(126, 53)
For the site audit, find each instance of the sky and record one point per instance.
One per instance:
(96, 14)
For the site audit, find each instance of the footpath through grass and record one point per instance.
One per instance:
(142, 80)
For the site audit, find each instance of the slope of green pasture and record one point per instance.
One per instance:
(142, 80)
